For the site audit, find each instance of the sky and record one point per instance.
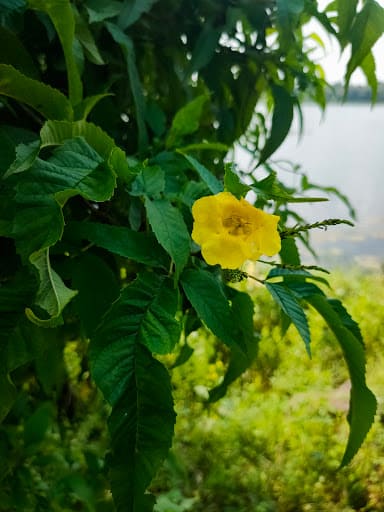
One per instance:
(334, 64)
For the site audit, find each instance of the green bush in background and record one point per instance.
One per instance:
(274, 443)
(117, 116)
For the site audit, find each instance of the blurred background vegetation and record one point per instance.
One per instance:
(273, 444)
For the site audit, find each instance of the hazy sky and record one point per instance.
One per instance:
(335, 64)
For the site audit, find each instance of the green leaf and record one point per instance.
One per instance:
(26, 154)
(270, 188)
(159, 331)
(15, 295)
(156, 118)
(141, 427)
(170, 230)
(86, 39)
(50, 102)
(214, 185)
(13, 52)
(289, 253)
(8, 395)
(127, 47)
(11, 6)
(242, 309)
(346, 10)
(346, 319)
(91, 274)
(302, 289)
(137, 246)
(285, 298)
(286, 12)
(184, 355)
(73, 169)
(205, 47)
(36, 426)
(138, 388)
(362, 401)
(150, 182)
(52, 295)
(368, 67)
(186, 120)
(233, 184)
(281, 121)
(99, 10)
(366, 30)
(204, 146)
(205, 293)
(132, 10)
(289, 274)
(84, 108)
(62, 16)
(56, 132)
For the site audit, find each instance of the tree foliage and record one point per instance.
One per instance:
(115, 117)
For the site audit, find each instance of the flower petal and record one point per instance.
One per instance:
(231, 231)
(224, 250)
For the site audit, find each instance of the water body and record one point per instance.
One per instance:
(343, 148)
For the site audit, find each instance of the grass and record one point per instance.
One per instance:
(275, 442)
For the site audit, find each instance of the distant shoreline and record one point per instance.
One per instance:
(356, 94)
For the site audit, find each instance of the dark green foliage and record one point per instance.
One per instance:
(115, 118)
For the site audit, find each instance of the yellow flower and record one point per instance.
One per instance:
(231, 231)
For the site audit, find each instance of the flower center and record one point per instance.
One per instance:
(237, 226)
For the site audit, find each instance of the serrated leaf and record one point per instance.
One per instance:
(150, 182)
(62, 17)
(293, 274)
(281, 121)
(74, 168)
(138, 388)
(240, 360)
(54, 133)
(207, 297)
(302, 289)
(362, 401)
(52, 295)
(214, 185)
(25, 156)
(50, 102)
(141, 426)
(186, 120)
(233, 184)
(285, 298)
(170, 230)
